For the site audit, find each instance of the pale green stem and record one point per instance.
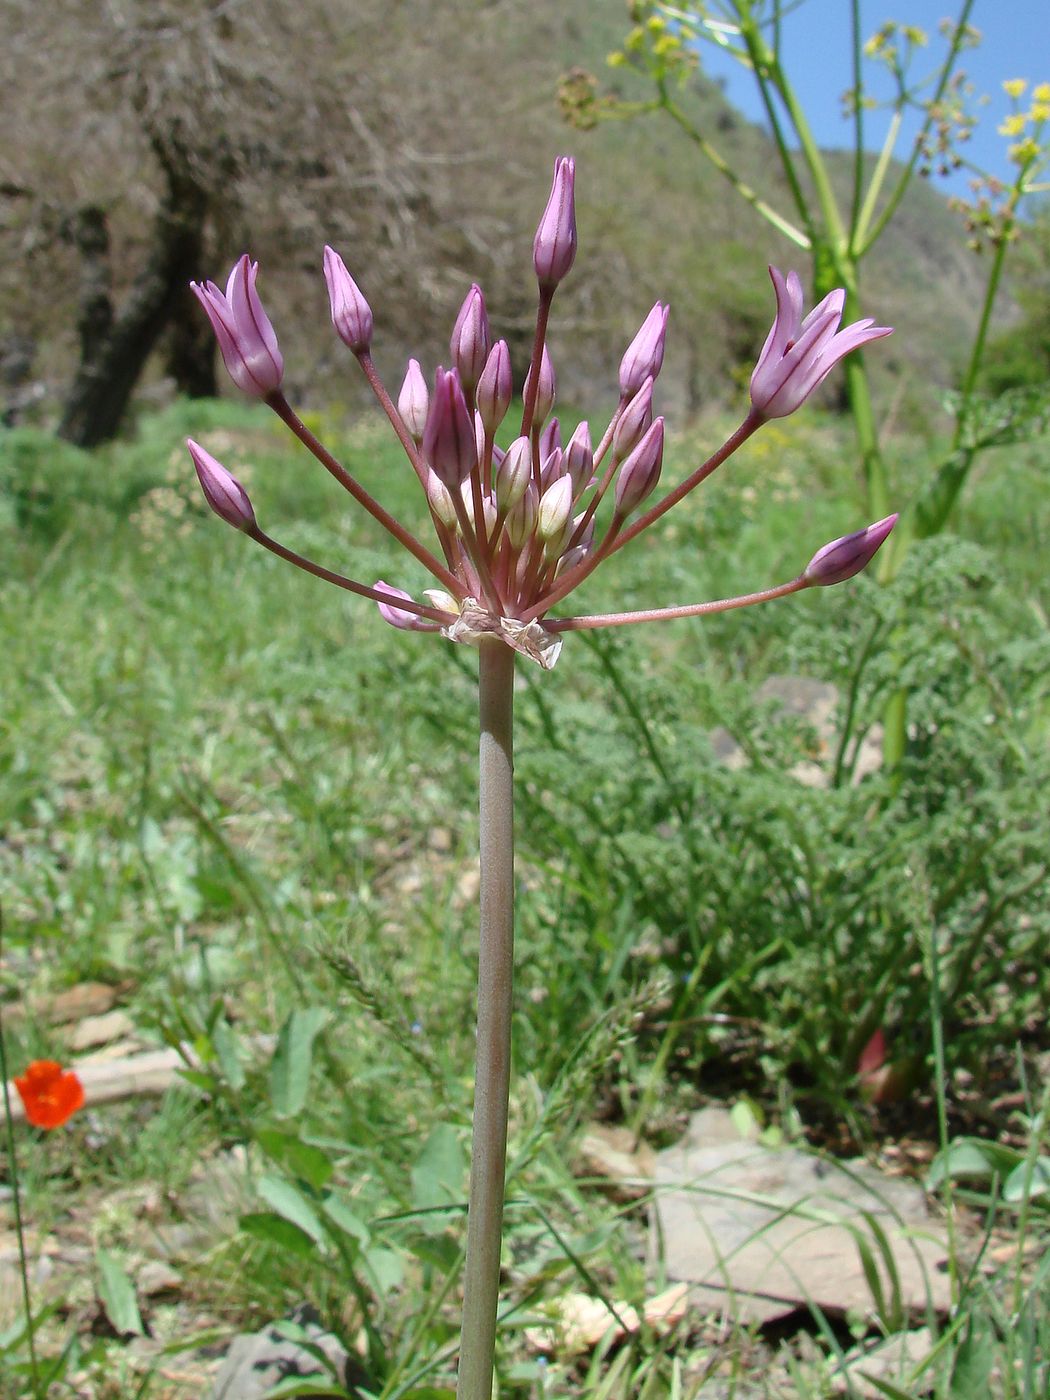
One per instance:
(488, 1160)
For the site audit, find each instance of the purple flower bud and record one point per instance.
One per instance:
(546, 390)
(449, 444)
(246, 338)
(554, 246)
(514, 474)
(552, 469)
(633, 421)
(488, 506)
(843, 558)
(471, 339)
(223, 492)
(645, 354)
(550, 438)
(351, 314)
(398, 617)
(413, 402)
(554, 509)
(521, 521)
(495, 387)
(800, 353)
(640, 473)
(579, 458)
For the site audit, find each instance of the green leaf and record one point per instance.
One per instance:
(340, 1214)
(975, 1359)
(118, 1295)
(437, 1177)
(1017, 1183)
(970, 1158)
(290, 1067)
(225, 1045)
(274, 1229)
(288, 1201)
(301, 1159)
(317, 1384)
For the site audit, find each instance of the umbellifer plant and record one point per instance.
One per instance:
(518, 531)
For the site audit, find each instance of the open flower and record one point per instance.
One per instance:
(517, 533)
(799, 354)
(49, 1094)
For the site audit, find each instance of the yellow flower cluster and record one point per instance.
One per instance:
(1027, 125)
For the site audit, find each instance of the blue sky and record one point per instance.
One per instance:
(1015, 44)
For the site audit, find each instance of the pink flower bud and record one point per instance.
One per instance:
(495, 387)
(470, 339)
(223, 492)
(552, 468)
(640, 473)
(633, 421)
(579, 458)
(645, 354)
(843, 558)
(521, 521)
(554, 246)
(413, 402)
(514, 474)
(398, 617)
(550, 438)
(800, 353)
(449, 444)
(246, 338)
(546, 390)
(488, 506)
(441, 502)
(554, 509)
(351, 314)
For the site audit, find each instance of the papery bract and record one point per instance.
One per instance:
(247, 340)
(799, 353)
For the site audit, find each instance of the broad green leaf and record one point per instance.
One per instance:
(299, 1158)
(225, 1045)
(118, 1295)
(340, 1214)
(288, 1201)
(318, 1384)
(274, 1229)
(386, 1267)
(1017, 1183)
(970, 1157)
(290, 1068)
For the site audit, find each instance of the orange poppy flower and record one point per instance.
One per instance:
(49, 1093)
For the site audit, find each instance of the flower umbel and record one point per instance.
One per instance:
(49, 1094)
(519, 530)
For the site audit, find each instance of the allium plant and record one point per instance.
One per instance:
(517, 530)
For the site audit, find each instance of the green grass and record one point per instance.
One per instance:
(214, 771)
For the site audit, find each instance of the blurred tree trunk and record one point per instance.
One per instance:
(114, 346)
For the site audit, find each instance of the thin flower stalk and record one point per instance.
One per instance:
(520, 530)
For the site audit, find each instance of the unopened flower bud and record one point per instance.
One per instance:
(645, 354)
(579, 458)
(554, 509)
(550, 438)
(633, 421)
(438, 598)
(495, 387)
(441, 502)
(399, 617)
(351, 314)
(449, 444)
(553, 467)
(470, 339)
(641, 471)
(521, 521)
(514, 474)
(843, 558)
(554, 247)
(586, 540)
(246, 338)
(223, 492)
(488, 506)
(576, 555)
(413, 402)
(545, 390)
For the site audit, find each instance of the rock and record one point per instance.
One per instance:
(100, 1030)
(615, 1154)
(758, 1232)
(156, 1277)
(257, 1361)
(892, 1360)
